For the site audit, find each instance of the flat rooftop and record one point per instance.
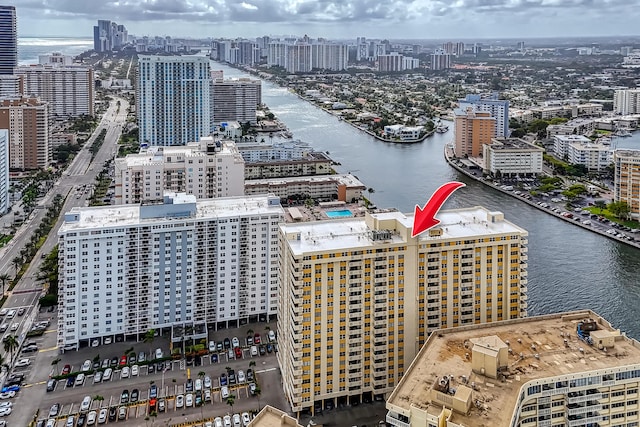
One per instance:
(513, 143)
(349, 180)
(354, 233)
(445, 354)
(273, 417)
(124, 215)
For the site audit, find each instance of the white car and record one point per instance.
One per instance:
(15, 327)
(71, 421)
(86, 402)
(245, 419)
(134, 370)
(227, 421)
(51, 422)
(7, 395)
(5, 411)
(86, 365)
(207, 382)
(97, 377)
(107, 374)
(102, 417)
(6, 405)
(179, 401)
(212, 346)
(218, 422)
(207, 395)
(272, 335)
(235, 342)
(224, 391)
(188, 399)
(198, 385)
(241, 377)
(23, 362)
(91, 418)
(125, 372)
(236, 420)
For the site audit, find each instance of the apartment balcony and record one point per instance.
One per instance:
(584, 409)
(523, 305)
(356, 306)
(524, 297)
(354, 375)
(396, 422)
(579, 399)
(523, 287)
(379, 324)
(354, 357)
(380, 364)
(380, 340)
(524, 257)
(382, 306)
(585, 421)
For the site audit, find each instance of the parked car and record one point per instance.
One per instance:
(153, 391)
(245, 419)
(223, 379)
(232, 376)
(256, 338)
(188, 399)
(198, 385)
(86, 365)
(252, 389)
(92, 418)
(262, 350)
(82, 418)
(71, 380)
(125, 372)
(227, 343)
(132, 359)
(238, 352)
(207, 382)
(189, 385)
(106, 376)
(235, 342)
(7, 394)
(224, 392)
(241, 377)
(55, 408)
(79, 380)
(134, 395)
(22, 363)
(272, 335)
(122, 413)
(66, 369)
(135, 370)
(142, 356)
(161, 405)
(123, 360)
(71, 421)
(249, 374)
(254, 350)
(124, 397)
(113, 413)
(51, 384)
(97, 377)
(179, 401)
(212, 346)
(102, 416)
(86, 402)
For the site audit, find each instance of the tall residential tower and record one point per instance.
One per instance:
(8, 39)
(173, 99)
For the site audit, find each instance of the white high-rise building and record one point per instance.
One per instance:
(206, 169)
(4, 171)
(179, 267)
(298, 57)
(626, 101)
(235, 100)
(329, 56)
(69, 90)
(55, 58)
(173, 99)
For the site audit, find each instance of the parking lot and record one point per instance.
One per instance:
(169, 381)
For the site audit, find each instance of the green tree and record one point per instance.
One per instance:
(17, 263)
(10, 343)
(231, 400)
(149, 337)
(600, 204)
(619, 209)
(4, 278)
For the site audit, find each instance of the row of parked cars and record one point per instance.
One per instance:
(235, 420)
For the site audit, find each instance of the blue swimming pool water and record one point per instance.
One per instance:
(339, 214)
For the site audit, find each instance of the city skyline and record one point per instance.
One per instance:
(433, 19)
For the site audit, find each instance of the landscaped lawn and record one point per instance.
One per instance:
(611, 217)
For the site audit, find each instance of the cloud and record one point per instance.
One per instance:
(358, 14)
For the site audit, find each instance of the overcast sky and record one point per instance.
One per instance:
(420, 19)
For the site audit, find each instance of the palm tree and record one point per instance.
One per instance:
(149, 336)
(231, 400)
(54, 363)
(17, 262)
(370, 191)
(4, 278)
(10, 343)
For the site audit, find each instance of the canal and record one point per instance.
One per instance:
(569, 268)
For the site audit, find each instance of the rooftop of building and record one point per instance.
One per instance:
(273, 417)
(346, 179)
(173, 58)
(591, 145)
(181, 207)
(534, 348)
(572, 138)
(156, 154)
(627, 153)
(355, 233)
(471, 113)
(513, 144)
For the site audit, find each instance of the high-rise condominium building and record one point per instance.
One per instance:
(626, 101)
(390, 62)
(4, 171)
(359, 296)
(473, 129)
(179, 267)
(109, 36)
(440, 60)
(11, 86)
(206, 169)
(627, 179)
(173, 99)
(329, 56)
(55, 58)
(298, 57)
(235, 100)
(499, 109)
(565, 369)
(8, 39)
(68, 89)
(27, 120)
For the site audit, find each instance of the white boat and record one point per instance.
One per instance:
(442, 128)
(622, 133)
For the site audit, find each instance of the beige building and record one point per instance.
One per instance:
(473, 129)
(627, 179)
(315, 163)
(27, 120)
(510, 157)
(567, 369)
(273, 417)
(345, 188)
(68, 89)
(360, 296)
(206, 169)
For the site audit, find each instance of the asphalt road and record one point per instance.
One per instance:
(81, 171)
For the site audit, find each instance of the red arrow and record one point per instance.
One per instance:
(425, 218)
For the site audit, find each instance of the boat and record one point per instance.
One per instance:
(442, 128)
(622, 133)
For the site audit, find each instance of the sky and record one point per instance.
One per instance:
(333, 19)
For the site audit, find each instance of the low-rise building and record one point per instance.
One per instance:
(403, 133)
(345, 188)
(565, 369)
(595, 156)
(627, 179)
(511, 157)
(561, 144)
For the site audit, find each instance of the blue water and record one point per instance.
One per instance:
(30, 47)
(339, 214)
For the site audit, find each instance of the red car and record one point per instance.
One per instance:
(66, 369)
(238, 351)
(256, 339)
(123, 360)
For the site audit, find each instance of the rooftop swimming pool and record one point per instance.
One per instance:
(344, 213)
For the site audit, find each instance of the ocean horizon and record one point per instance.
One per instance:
(30, 47)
